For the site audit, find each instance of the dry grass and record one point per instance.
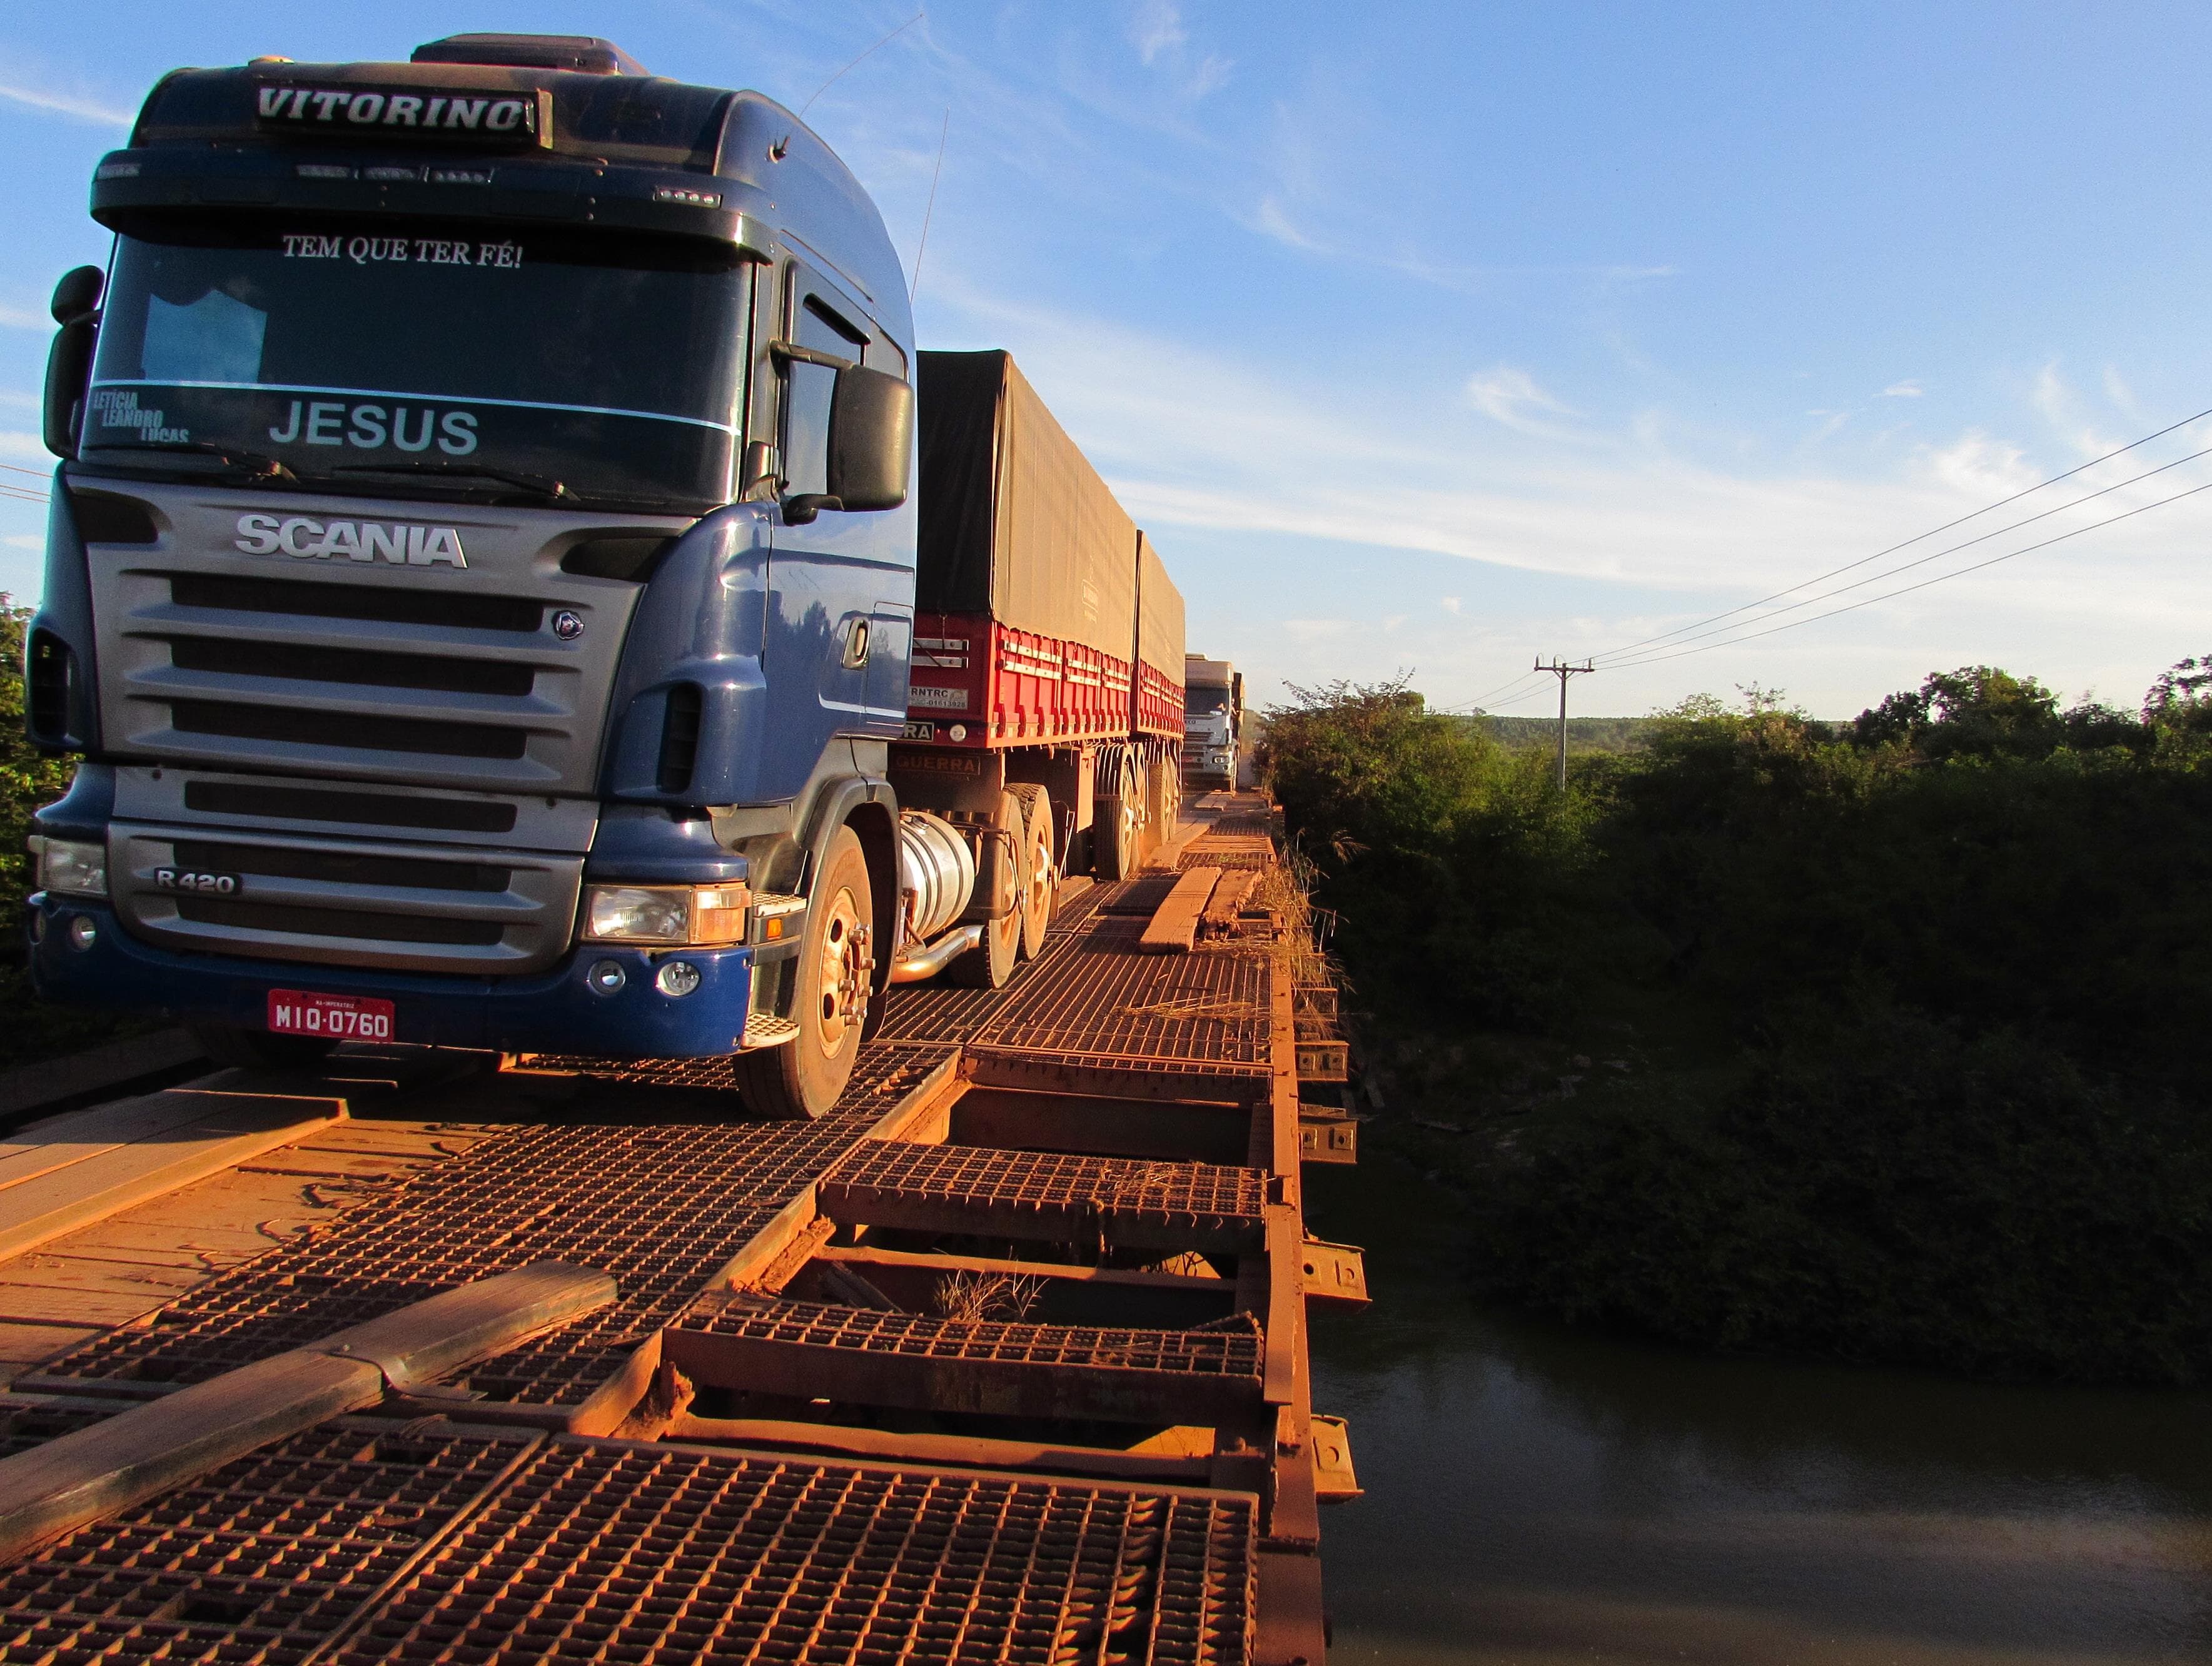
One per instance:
(972, 1298)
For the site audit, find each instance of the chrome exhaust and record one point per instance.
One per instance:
(929, 962)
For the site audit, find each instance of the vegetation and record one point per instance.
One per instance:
(1584, 735)
(1872, 1039)
(30, 1029)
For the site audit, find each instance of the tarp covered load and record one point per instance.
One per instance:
(1015, 523)
(1160, 614)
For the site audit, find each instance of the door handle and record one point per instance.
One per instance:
(856, 645)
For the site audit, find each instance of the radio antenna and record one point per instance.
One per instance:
(856, 63)
(923, 247)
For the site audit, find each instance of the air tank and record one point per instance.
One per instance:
(937, 867)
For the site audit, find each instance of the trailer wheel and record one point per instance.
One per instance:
(991, 963)
(803, 1077)
(1113, 831)
(260, 1050)
(1164, 803)
(1038, 882)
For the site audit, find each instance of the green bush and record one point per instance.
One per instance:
(1870, 918)
(31, 1028)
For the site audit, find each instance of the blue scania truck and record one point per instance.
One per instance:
(481, 585)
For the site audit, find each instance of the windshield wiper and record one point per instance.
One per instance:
(257, 467)
(529, 482)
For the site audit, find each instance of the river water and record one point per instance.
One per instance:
(1535, 1494)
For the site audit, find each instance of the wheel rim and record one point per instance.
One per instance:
(841, 1000)
(1040, 885)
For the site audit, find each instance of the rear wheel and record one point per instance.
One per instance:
(260, 1050)
(803, 1077)
(1037, 879)
(991, 963)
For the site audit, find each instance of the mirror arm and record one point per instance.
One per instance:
(802, 507)
(790, 352)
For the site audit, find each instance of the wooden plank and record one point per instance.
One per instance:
(1229, 896)
(310, 1163)
(80, 1477)
(100, 1069)
(59, 1142)
(1174, 928)
(234, 1129)
(24, 1344)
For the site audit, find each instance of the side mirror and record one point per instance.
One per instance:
(871, 439)
(69, 362)
(78, 296)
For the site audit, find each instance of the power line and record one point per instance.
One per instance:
(1932, 531)
(1921, 561)
(1906, 590)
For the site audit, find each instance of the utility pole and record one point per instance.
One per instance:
(1563, 671)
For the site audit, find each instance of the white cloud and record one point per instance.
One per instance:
(65, 104)
(1511, 397)
(1275, 221)
(30, 541)
(14, 443)
(1903, 390)
(1156, 28)
(1220, 456)
(1451, 604)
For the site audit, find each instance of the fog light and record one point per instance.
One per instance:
(83, 933)
(606, 978)
(676, 977)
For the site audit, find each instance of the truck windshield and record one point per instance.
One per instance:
(359, 357)
(1204, 702)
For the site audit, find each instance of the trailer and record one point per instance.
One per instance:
(1048, 636)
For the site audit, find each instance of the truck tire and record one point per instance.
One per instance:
(1164, 806)
(1113, 836)
(259, 1049)
(991, 963)
(803, 1077)
(1039, 883)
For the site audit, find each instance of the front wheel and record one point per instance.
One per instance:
(803, 1077)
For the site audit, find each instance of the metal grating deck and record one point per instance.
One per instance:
(661, 1206)
(1223, 1349)
(1048, 1195)
(661, 1556)
(262, 1560)
(1103, 1003)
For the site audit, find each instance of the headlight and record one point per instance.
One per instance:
(665, 914)
(72, 867)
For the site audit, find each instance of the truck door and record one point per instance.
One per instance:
(842, 584)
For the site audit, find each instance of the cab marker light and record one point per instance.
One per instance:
(322, 171)
(684, 194)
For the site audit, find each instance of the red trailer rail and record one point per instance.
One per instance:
(1004, 687)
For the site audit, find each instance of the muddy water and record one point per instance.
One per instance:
(1540, 1495)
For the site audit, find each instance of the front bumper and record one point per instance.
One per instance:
(551, 1011)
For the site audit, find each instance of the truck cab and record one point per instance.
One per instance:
(481, 572)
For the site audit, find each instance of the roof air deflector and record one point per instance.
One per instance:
(584, 54)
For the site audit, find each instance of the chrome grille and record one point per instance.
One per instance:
(361, 668)
(423, 908)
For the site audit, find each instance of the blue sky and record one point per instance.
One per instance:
(1432, 337)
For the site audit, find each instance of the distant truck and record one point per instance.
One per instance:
(1213, 721)
(484, 570)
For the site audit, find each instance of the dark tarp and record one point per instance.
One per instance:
(1015, 522)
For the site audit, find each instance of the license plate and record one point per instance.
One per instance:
(919, 732)
(339, 1017)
